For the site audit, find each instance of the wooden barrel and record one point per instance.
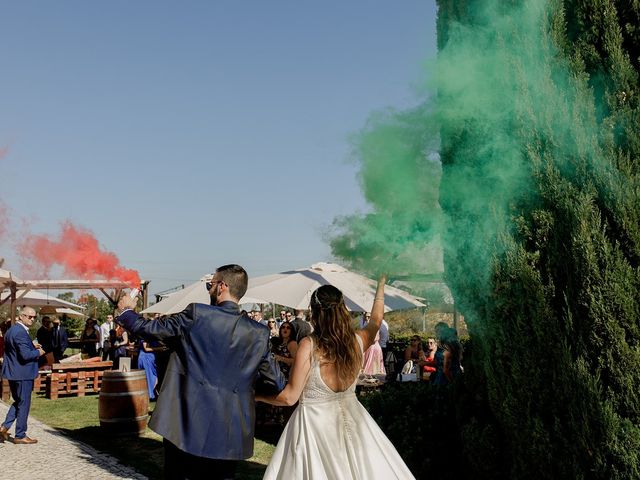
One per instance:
(123, 406)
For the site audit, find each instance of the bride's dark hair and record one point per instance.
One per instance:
(334, 334)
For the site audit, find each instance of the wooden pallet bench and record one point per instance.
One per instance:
(39, 385)
(40, 382)
(76, 378)
(5, 392)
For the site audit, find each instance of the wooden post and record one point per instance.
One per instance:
(68, 384)
(14, 289)
(81, 383)
(145, 294)
(52, 386)
(6, 391)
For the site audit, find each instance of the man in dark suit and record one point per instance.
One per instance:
(206, 406)
(44, 335)
(20, 367)
(59, 340)
(301, 327)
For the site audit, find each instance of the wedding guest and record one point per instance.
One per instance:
(282, 319)
(20, 368)
(364, 319)
(44, 335)
(90, 338)
(286, 348)
(448, 357)
(273, 329)
(257, 316)
(4, 326)
(384, 337)
(105, 328)
(414, 351)
(119, 341)
(373, 358)
(301, 326)
(147, 362)
(59, 341)
(429, 364)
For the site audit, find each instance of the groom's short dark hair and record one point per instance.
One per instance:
(236, 278)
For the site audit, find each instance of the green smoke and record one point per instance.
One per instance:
(535, 201)
(512, 108)
(400, 176)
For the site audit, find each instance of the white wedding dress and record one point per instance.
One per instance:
(331, 436)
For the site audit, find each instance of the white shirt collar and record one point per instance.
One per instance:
(23, 325)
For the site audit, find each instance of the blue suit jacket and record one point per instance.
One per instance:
(20, 356)
(59, 339)
(206, 405)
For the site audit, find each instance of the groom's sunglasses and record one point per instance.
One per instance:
(211, 284)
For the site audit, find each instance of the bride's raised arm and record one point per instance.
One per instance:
(369, 332)
(297, 379)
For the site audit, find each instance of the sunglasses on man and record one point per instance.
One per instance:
(209, 285)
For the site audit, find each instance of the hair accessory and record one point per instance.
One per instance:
(326, 305)
(315, 298)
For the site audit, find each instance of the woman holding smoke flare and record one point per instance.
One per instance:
(330, 434)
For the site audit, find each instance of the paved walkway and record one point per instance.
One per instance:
(54, 454)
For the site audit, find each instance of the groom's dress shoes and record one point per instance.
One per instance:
(4, 434)
(25, 441)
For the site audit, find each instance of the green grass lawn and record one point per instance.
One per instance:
(78, 418)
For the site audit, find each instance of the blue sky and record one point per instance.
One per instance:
(186, 135)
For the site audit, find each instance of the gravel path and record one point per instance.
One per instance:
(56, 456)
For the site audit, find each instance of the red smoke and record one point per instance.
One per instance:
(4, 220)
(79, 254)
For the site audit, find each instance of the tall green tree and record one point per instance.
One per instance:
(539, 109)
(535, 115)
(96, 307)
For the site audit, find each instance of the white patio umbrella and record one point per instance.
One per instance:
(32, 298)
(294, 288)
(194, 293)
(69, 312)
(6, 278)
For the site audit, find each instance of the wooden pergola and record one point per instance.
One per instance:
(111, 289)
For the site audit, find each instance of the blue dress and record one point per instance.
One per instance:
(440, 377)
(147, 362)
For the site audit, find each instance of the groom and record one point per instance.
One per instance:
(206, 407)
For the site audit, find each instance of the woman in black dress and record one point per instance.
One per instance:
(90, 338)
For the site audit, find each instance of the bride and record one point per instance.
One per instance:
(331, 436)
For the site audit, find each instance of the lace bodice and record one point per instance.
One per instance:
(316, 390)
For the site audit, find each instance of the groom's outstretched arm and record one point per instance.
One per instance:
(162, 328)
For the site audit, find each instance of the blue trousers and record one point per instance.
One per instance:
(147, 362)
(19, 410)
